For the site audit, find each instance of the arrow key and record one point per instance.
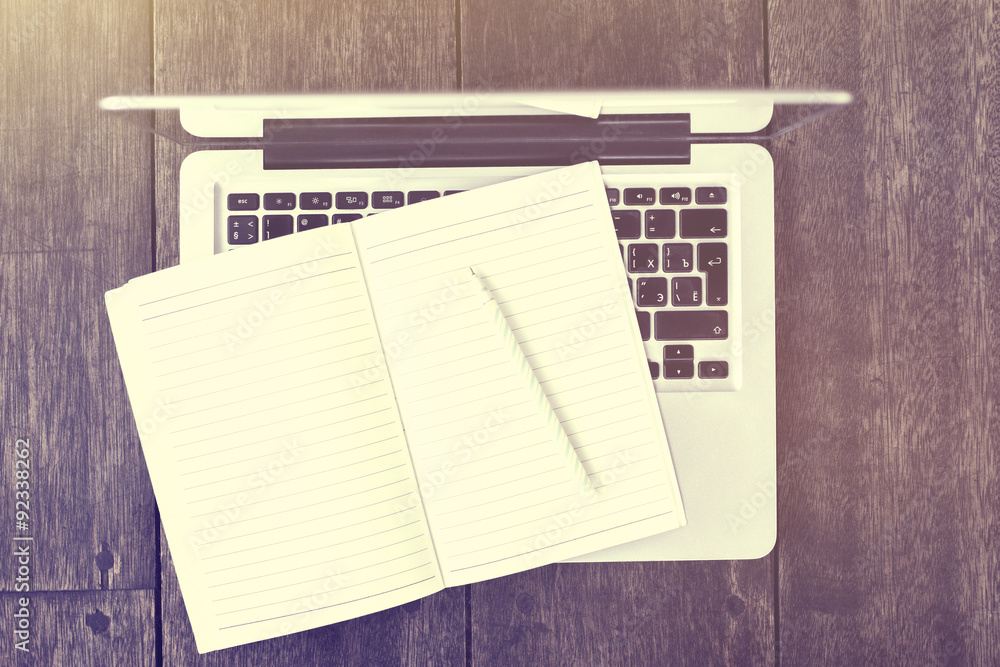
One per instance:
(678, 351)
(713, 369)
(678, 370)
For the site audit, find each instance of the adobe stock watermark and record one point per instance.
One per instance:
(334, 581)
(23, 548)
(436, 307)
(216, 524)
(764, 493)
(47, 14)
(595, 325)
(270, 304)
(558, 524)
(464, 448)
(159, 414)
(425, 148)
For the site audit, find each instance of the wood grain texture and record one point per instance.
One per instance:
(615, 613)
(626, 614)
(82, 628)
(592, 44)
(290, 47)
(887, 243)
(75, 223)
(263, 47)
(430, 631)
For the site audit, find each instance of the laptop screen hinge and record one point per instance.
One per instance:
(476, 141)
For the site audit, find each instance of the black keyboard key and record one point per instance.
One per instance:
(275, 226)
(675, 196)
(678, 370)
(452, 192)
(691, 325)
(243, 202)
(345, 217)
(315, 201)
(312, 221)
(652, 291)
(613, 196)
(710, 195)
(243, 229)
(687, 291)
(713, 369)
(703, 223)
(352, 200)
(628, 224)
(660, 224)
(713, 261)
(644, 323)
(678, 257)
(640, 196)
(279, 201)
(678, 352)
(642, 257)
(654, 369)
(417, 196)
(387, 199)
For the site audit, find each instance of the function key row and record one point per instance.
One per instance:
(321, 201)
(696, 223)
(671, 196)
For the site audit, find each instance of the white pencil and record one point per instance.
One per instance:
(510, 343)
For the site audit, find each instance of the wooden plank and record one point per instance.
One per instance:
(626, 614)
(590, 44)
(75, 223)
(79, 628)
(430, 631)
(887, 463)
(261, 47)
(651, 613)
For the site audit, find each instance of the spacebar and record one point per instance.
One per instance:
(691, 324)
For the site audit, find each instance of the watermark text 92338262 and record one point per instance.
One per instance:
(22, 543)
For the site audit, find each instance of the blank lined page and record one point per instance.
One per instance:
(273, 440)
(546, 246)
(479, 428)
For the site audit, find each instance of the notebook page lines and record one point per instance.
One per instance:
(292, 497)
(556, 275)
(461, 395)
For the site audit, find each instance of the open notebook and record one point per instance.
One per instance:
(334, 426)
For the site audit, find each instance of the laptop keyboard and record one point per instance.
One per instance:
(677, 243)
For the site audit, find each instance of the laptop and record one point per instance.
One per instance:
(691, 193)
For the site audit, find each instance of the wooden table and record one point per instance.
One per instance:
(887, 322)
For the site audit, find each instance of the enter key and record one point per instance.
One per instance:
(714, 262)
